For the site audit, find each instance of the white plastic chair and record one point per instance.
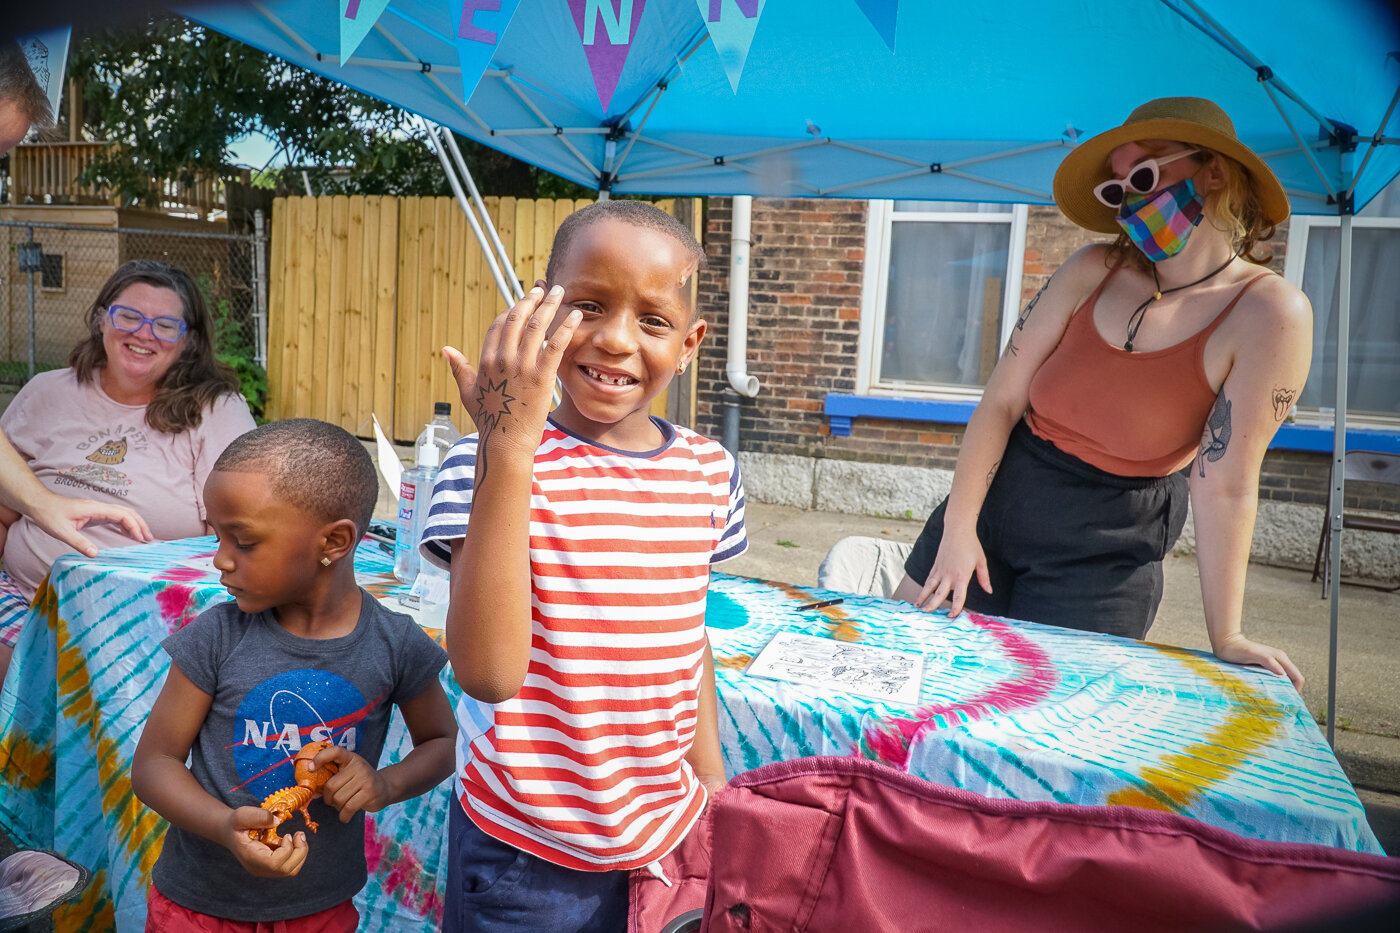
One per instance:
(864, 566)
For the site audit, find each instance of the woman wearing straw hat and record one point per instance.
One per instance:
(1170, 353)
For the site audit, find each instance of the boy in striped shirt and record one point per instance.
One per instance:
(580, 543)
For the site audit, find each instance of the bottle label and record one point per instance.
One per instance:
(407, 491)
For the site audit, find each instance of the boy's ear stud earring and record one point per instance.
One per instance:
(325, 561)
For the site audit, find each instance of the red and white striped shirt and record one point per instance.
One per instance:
(586, 766)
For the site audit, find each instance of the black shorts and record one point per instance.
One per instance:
(1067, 543)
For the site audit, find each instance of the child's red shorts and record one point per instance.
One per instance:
(165, 916)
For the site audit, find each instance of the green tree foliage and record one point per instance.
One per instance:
(174, 95)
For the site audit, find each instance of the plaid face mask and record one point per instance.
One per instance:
(1159, 225)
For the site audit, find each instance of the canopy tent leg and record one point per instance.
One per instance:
(507, 293)
(500, 249)
(1339, 444)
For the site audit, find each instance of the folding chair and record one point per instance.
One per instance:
(1368, 466)
(32, 883)
(863, 565)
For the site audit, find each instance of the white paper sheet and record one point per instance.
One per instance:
(390, 467)
(841, 667)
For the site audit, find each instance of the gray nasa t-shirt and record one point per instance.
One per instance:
(272, 693)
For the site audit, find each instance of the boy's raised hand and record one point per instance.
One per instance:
(510, 392)
(355, 786)
(254, 854)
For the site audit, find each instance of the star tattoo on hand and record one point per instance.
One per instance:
(492, 401)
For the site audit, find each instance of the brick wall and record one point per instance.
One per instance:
(808, 268)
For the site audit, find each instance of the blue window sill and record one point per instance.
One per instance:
(842, 409)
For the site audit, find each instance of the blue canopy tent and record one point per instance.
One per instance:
(972, 101)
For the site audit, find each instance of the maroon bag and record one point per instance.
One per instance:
(674, 905)
(846, 844)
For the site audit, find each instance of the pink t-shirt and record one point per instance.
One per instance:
(82, 444)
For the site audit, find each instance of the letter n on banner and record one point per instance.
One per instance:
(478, 26)
(606, 28)
(357, 18)
(732, 24)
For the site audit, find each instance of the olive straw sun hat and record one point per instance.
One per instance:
(1191, 120)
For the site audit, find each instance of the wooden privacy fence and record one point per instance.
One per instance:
(365, 291)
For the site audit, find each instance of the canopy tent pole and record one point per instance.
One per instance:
(507, 294)
(496, 243)
(1339, 443)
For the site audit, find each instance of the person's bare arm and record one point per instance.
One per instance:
(1004, 400)
(705, 756)
(508, 397)
(21, 493)
(161, 781)
(1271, 364)
(357, 786)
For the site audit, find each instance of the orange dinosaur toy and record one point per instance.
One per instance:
(283, 803)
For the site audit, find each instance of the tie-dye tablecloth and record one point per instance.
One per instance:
(1006, 709)
(81, 683)
(1035, 712)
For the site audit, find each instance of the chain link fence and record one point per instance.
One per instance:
(53, 272)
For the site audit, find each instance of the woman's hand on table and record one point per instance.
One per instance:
(355, 786)
(1237, 649)
(256, 856)
(62, 517)
(960, 556)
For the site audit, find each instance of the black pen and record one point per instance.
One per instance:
(820, 604)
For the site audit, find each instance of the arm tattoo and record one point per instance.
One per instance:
(1021, 321)
(492, 401)
(1283, 401)
(1216, 437)
(991, 474)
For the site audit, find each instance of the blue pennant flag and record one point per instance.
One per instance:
(478, 26)
(732, 24)
(357, 18)
(882, 15)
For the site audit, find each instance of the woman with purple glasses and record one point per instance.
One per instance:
(1145, 371)
(137, 419)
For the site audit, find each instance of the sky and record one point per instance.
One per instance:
(254, 150)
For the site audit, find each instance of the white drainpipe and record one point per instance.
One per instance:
(736, 366)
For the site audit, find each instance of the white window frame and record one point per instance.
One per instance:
(1295, 262)
(881, 218)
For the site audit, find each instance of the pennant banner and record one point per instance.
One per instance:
(47, 54)
(732, 24)
(606, 28)
(478, 26)
(357, 18)
(882, 15)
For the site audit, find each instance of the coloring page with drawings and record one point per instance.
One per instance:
(841, 667)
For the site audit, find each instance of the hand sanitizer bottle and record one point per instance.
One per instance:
(415, 494)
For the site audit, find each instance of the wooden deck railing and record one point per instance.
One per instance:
(53, 171)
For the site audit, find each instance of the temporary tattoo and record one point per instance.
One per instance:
(1021, 321)
(1283, 402)
(1026, 313)
(1216, 436)
(492, 401)
(991, 474)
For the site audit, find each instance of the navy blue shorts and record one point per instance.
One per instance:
(1067, 543)
(493, 887)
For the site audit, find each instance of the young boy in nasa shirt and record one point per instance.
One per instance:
(580, 547)
(301, 654)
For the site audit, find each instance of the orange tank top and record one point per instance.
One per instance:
(1132, 414)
